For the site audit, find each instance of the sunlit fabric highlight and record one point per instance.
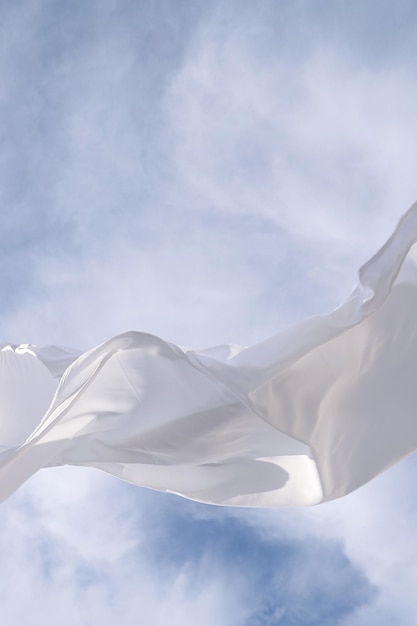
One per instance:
(303, 417)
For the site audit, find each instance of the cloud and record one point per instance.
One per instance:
(315, 144)
(279, 578)
(223, 132)
(81, 550)
(209, 174)
(105, 551)
(375, 529)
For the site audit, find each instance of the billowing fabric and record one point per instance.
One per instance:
(301, 418)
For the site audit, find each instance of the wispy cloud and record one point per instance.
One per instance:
(207, 173)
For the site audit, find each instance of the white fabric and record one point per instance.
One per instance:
(300, 418)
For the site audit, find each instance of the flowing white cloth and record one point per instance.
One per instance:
(303, 417)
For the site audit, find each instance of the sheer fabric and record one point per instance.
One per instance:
(303, 417)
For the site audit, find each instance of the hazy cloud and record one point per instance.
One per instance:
(209, 173)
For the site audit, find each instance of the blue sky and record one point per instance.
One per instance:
(209, 172)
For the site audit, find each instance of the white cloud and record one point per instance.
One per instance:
(317, 145)
(72, 548)
(205, 179)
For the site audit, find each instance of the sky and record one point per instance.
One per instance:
(209, 172)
